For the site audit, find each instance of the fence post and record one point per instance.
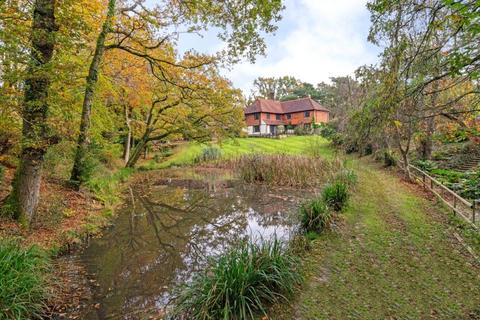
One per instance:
(424, 180)
(474, 209)
(455, 206)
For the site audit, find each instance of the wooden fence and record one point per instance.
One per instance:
(469, 211)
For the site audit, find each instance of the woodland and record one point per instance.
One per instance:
(97, 96)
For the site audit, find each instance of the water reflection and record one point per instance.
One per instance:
(166, 233)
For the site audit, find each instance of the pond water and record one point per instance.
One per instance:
(167, 230)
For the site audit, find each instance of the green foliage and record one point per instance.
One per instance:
(241, 283)
(23, 281)
(466, 184)
(335, 195)
(300, 130)
(389, 159)
(210, 153)
(327, 130)
(2, 173)
(425, 165)
(315, 216)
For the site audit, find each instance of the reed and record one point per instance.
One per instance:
(284, 170)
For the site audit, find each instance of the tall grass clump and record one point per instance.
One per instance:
(241, 283)
(315, 216)
(23, 281)
(347, 176)
(284, 170)
(210, 153)
(335, 195)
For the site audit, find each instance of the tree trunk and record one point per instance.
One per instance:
(427, 141)
(128, 140)
(26, 188)
(82, 144)
(137, 152)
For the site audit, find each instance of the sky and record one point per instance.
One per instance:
(316, 40)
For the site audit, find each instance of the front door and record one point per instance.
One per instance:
(273, 129)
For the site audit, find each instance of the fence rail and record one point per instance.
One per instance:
(469, 211)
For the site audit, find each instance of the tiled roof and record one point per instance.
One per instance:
(272, 106)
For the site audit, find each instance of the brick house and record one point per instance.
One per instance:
(264, 116)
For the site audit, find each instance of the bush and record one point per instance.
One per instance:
(2, 173)
(337, 139)
(23, 281)
(210, 153)
(315, 216)
(300, 130)
(241, 283)
(389, 159)
(335, 195)
(327, 130)
(425, 165)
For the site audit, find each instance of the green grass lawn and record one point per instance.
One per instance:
(186, 153)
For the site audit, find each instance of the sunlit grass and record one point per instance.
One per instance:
(186, 153)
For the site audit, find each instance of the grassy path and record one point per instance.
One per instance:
(393, 258)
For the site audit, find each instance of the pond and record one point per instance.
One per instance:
(169, 227)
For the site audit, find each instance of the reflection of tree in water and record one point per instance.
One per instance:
(167, 235)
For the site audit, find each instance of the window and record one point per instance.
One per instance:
(268, 115)
(278, 117)
(307, 114)
(289, 116)
(256, 129)
(256, 116)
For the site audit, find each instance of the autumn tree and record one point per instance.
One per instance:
(200, 105)
(138, 30)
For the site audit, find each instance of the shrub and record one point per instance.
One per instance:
(23, 281)
(327, 130)
(389, 159)
(337, 139)
(300, 130)
(210, 153)
(425, 165)
(2, 173)
(335, 195)
(315, 216)
(241, 283)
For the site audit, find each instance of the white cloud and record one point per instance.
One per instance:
(317, 39)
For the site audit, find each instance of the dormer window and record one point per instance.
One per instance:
(268, 115)
(278, 117)
(307, 114)
(256, 116)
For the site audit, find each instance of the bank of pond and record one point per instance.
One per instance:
(195, 243)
